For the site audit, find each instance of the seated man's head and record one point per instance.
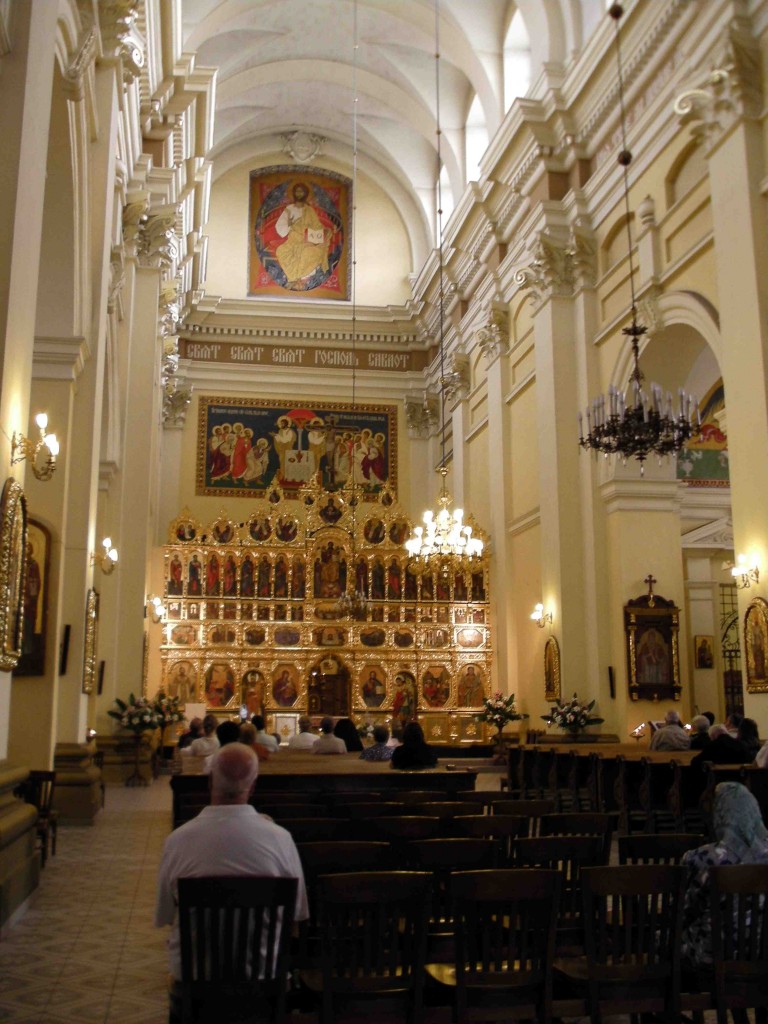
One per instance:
(196, 726)
(672, 718)
(209, 724)
(699, 723)
(380, 733)
(228, 732)
(305, 723)
(234, 770)
(248, 734)
(326, 725)
(258, 722)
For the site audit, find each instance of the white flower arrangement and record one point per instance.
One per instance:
(136, 714)
(573, 716)
(167, 710)
(498, 710)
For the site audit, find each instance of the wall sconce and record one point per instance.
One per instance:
(540, 617)
(108, 559)
(31, 450)
(155, 607)
(638, 732)
(743, 575)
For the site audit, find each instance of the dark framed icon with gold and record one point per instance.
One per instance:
(373, 686)
(756, 645)
(220, 685)
(181, 680)
(35, 601)
(552, 669)
(185, 529)
(13, 568)
(651, 626)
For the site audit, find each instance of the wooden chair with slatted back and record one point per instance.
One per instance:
(483, 798)
(442, 858)
(505, 934)
(331, 858)
(632, 924)
(447, 811)
(530, 809)
(416, 796)
(587, 823)
(315, 830)
(373, 809)
(374, 940)
(569, 855)
(291, 810)
(399, 831)
(740, 939)
(502, 828)
(235, 935)
(38, 789)
(661, 848)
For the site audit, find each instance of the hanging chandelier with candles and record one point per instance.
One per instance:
(444, 539)
(353, 605)
(635, 424)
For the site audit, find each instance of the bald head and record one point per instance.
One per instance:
(672, 718)
(233, 773)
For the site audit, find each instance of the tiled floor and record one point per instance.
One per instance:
(86, 949)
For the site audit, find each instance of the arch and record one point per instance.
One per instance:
(517, 60)
(614, 247)
(475, 139)
(686, 171)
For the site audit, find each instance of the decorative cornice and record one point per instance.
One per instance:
(121, 36)
(718, 534)
(80, 65)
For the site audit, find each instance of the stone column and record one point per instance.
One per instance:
(726, 114)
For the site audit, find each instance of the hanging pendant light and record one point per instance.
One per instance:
(355, 604)
(635, 424)
(445, 539)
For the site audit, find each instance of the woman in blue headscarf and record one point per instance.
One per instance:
(740, 838)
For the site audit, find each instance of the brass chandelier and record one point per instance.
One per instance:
(444, 538)
(635, 424)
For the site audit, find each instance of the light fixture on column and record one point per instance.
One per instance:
(155, 608)
(106, 559)
(633, 424)
(744, 575)
(353, 604)
(445, 539)
(540, 616)
(32, 450)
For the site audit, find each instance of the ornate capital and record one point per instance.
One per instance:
(456, 381)
(422, 417)
(493, 336)
(582, 253)
(176, 398)
(134, 214)
(158, 244)
(649, 314)
(121, 35)
(80, 64)
(550, 272)
(116, 280)
(731, 91)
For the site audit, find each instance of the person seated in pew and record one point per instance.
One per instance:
(740, 838)
(722, 749)
(749, 738)
(227, 732)
(761, 758)
(345, 730)
(671, 736)
(414, 752)
(328, 743)
(195, 729)
(304, 739)
(227, 838)
(380, 750)
(208, 743)
(264, 738)
(249, 737)
(699, 732)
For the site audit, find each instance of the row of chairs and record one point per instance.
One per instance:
(374, 928)
(38, 790)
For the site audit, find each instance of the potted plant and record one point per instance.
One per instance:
(573, 717)
(138, 715)
(498, 710)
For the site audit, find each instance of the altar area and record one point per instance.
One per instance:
(312, 605)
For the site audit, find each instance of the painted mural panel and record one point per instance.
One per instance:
(704, 463)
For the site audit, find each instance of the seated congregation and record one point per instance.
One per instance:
(482, 907)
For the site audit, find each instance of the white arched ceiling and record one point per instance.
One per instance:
(289, 65)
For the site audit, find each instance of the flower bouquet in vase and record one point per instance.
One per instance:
(497, 711)
(138, 715)
(573, 717)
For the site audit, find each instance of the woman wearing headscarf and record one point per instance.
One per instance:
(740, 838)
(414, 752)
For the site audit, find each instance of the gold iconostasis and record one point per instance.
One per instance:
(255, 615)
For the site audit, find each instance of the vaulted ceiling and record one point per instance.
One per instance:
(288, 66)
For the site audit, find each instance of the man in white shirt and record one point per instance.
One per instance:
(227, 838)
(208, 743)
(328, 743)
(264, 738)
(304, 739)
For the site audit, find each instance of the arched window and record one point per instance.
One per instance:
(475, 139)
(517, 61)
